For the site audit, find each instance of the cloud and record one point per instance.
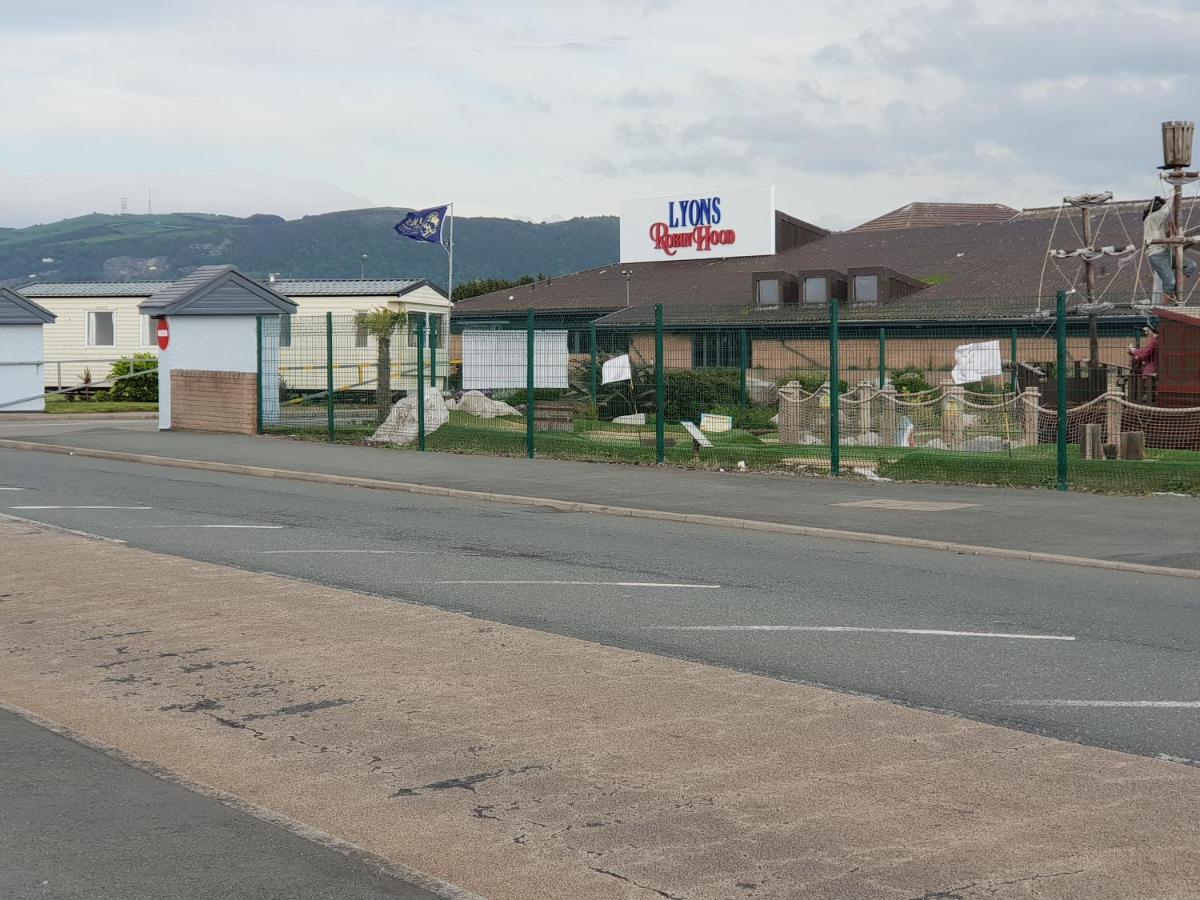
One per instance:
(567, 108)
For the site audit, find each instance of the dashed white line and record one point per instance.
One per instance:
(645, 584)
(380, 552)
(1116, 704)
(81, 507)
(11, 488)
(934, 632)
(216, 526)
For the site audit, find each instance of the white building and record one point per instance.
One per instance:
(21, 324)
(98, 321)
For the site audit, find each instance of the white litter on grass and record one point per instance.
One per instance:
(869, 474)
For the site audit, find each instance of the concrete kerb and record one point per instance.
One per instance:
(601, 509)
(400, 872)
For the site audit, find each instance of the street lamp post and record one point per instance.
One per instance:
(628, 273)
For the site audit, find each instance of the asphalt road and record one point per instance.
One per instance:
(1103, 658)
(79, 824)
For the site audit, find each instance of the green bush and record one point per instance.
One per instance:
(910, 380)
(143, 388)
(694, 391)
(810, 382)
(747, 415)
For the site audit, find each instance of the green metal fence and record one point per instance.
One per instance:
(980, 401)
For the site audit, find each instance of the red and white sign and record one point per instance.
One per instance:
(164, 333)
(708, 225)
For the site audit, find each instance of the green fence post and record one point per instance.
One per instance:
(660, 389)
(434, 337)
(744, 359)
(1013, 355)
(329, 422)
(882, 358)
(592, 340)
(1061, 371)
(530, 410)
(835, 425)
(421, 384)
(258, 417)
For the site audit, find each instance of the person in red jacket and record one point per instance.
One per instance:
(1144, 361)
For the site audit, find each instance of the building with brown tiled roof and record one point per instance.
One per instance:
(926, 215)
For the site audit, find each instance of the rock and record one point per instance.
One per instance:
(451, 404)
(400, 427)
(937, 444)
(870, 439)
(481, 406)
(759, 391)
(988, 443)
(635, 419)
(809, 439)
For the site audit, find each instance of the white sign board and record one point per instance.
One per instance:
(709, 225)
(493, 360)
(616, 369)
(697, 435)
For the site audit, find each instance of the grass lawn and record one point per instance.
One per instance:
(1176, 471)
(56, 405)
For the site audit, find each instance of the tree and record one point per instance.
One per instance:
(487, 285)
(382, 324)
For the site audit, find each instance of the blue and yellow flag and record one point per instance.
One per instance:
(424, 224)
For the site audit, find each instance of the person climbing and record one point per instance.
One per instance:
(1156, 225)
(1144, 361)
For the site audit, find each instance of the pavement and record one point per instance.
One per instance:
(1159, 531)
(521, 764)
(78, 823)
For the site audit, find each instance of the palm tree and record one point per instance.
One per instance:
(382, 324)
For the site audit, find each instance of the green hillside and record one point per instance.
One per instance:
(102, 247)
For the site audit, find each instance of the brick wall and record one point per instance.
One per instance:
(214, 401)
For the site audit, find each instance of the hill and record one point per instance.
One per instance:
(104, 247)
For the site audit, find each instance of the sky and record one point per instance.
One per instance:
(546, 110)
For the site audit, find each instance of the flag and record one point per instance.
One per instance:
(974, 362)
(424, 224)
(616, 369)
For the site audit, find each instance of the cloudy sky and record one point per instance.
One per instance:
(542, 109)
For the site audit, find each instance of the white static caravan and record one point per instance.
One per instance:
(21, 324)
(98, 321)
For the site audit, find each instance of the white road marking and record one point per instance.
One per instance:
(910, 505)
(935, 632)
(215, 526)
(384, 552)
(81, 507)
(1119, 704)
(86, 534)
(11, 489)
(646, 584)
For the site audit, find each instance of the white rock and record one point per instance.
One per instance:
(477, 404)
(635, 419)
(937, 444)
(988, 443)
(870, 439)
(400, 427)
(810, 439)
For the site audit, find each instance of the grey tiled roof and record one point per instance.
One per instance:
(236, 292)
(291, 287)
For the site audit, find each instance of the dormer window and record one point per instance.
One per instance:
(768, 292)
(816, 289)
(866, 288)
(774, 289)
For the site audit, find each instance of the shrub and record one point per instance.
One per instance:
(910, 380)
(747, 415)
(141, 389)
(811, 382)
(694, 391)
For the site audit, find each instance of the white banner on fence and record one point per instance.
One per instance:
(974, 362)
(493, 360)
(616, 369)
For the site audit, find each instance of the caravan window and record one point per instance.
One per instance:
(101, 331)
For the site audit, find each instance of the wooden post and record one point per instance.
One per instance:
(1091, 444)
(1033, 402)
(865, 389)
(1086, 214)
(1133, 445)
(1112, 416)
(952, 415)
(889, 419)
